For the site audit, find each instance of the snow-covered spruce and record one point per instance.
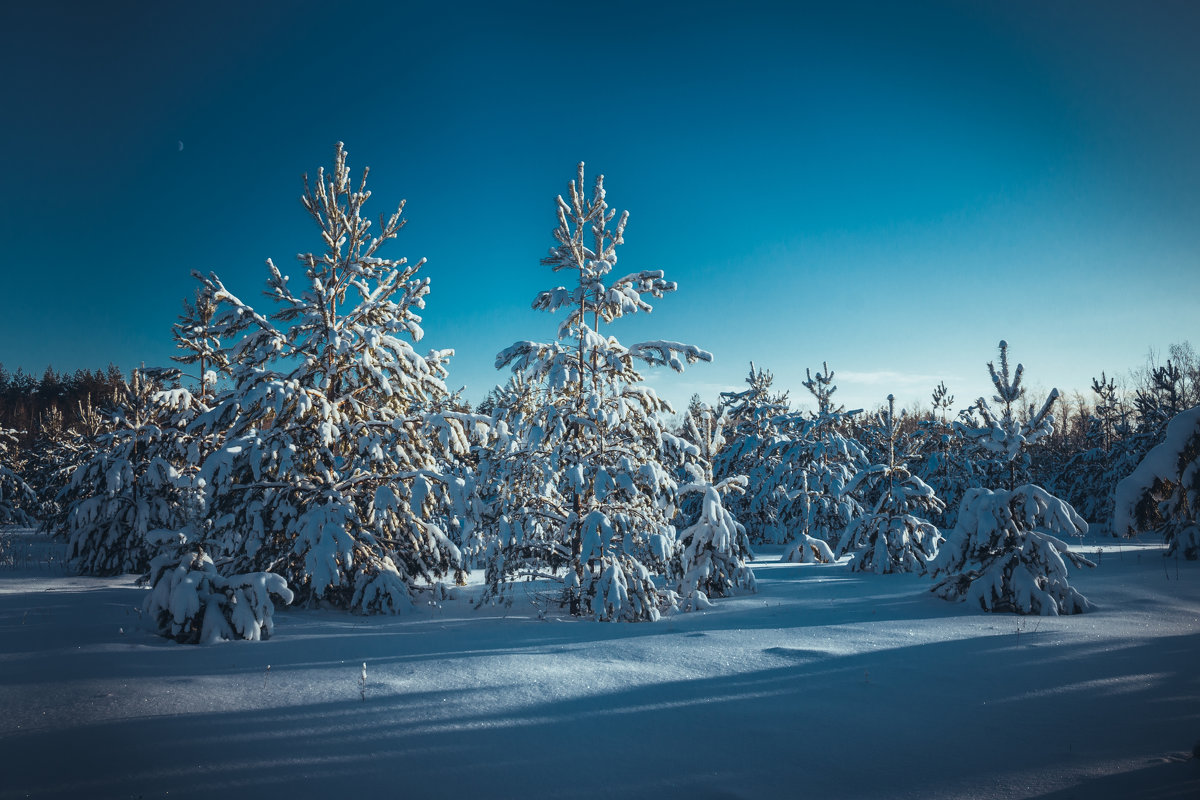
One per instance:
(890, 538)
(585, 481)
(1163, 493)
(16, 496)
(133, 483)
(1005, 553)
(192, 603)
(712, 552)
(337, 439)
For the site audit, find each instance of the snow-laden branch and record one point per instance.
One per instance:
(670, 354)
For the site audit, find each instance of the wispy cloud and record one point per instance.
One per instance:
(886, 377)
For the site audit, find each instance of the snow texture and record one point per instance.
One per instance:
(465, 703)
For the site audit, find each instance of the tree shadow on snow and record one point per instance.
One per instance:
(928, 720)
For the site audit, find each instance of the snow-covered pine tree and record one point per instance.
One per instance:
(695, 404)
(1110, 412)
(132, 485)
(943, 458)
(462, 438)
(1163, 493)
(816, 461)
(1005, 552)
(753, 429)
(591, 492)
(758, 401)
(61, 449)
(17, 498)
(1162, 399)
(890, 538)
(200, 343)
(942, 401)
(713, 551)
(514, 471)
(1155, 404)
(796, 465)
(190, 600)
(1005, 435)
(48, 470)
(822, 388)
(1089, 476)
(192, 603)
(335, 432)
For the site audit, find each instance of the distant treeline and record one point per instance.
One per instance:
(28, 405)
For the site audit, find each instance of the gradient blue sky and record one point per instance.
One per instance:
(888, 187)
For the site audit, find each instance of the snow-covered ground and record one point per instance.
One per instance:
(824, 684)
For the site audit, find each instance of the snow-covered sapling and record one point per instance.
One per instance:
(822, 388)
(942, 458)
(714, 550)
(192, 603)
(816, 459)
(16, 496)
(200, 343)
(1004, 435)
(811, 503)
(752, 432)
(890, 538)
(1006, 554)
(134, 482)
(1163, 493)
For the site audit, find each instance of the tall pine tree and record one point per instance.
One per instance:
(592, 490)
(336, 435)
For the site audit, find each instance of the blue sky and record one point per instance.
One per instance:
(892, 188)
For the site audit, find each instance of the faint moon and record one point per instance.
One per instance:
(181, 146)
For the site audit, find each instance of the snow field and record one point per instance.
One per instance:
(825, 683)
